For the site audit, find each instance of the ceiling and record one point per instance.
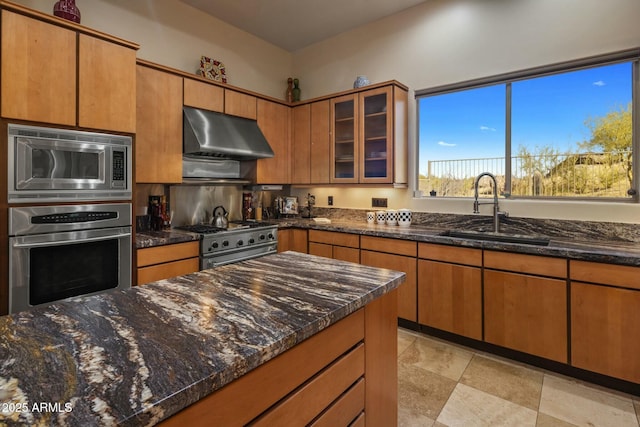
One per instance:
(295, 24)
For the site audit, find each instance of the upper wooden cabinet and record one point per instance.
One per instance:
(107, 85)
(310, 145)
(199, 94)
(57, 75)
(240, 104)
(158, 143)
(274, 121)
(369, 137)
(38, 70)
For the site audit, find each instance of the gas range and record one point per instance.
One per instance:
(238, 242)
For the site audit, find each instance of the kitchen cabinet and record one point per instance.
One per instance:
(369, 136)
(605, 319)
(400, 255)
(240, 104)
(526, 309)
(292, 239)
(336, 245)
(450, 289)
(199, 94)
(163, 262)
(158, 144)
(274, 122)
(344, 144)
(301, 144)
(310, 155)
(97, 71)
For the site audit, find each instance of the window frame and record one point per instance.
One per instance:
(630, 55)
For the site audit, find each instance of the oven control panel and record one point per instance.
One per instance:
(73, 217)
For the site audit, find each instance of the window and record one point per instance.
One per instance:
(562, 132)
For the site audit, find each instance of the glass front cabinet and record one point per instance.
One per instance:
(368, 128)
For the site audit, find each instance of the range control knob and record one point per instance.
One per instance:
(225, 243)
(240, 243)
(215, 245)
(252, 241)
(262, 237)
(270, 236)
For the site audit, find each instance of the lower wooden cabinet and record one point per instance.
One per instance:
(526, 313)
(336, 245)
(292, 239)
(398, 255)
(450, 297)
(163, 262)
(449, 293)
(605, 320)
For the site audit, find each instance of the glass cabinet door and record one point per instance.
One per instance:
(376, 131)
(344, 148)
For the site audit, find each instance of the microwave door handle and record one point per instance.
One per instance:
(69, 242)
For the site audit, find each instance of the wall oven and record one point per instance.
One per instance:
(53, 165)
(59, 252)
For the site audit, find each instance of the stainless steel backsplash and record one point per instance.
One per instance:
(194, 204)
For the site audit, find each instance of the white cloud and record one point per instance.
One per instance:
(599, 83)
(487, 128)
(446, 144)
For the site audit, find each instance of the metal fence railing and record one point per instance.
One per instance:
(545, 175)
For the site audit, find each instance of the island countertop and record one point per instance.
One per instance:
(138, 356)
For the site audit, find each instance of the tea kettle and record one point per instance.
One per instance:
(220, 215)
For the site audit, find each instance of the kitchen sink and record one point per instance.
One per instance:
(498, 237)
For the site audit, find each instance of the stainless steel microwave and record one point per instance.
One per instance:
(50, 165)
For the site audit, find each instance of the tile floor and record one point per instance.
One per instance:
(444, 384)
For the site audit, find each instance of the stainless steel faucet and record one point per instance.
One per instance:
(496, 207)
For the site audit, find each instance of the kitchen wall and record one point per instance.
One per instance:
(177, 35)
(448, 41)
(438, 42)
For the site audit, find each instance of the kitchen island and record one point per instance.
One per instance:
(216, 339)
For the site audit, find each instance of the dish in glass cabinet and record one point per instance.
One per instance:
(212, 69)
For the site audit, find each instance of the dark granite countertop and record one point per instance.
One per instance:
(148, 239)
(572, 245)
(137, 356)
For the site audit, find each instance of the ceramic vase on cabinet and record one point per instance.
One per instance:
(361, 81)
(296, 90)
(67, 9)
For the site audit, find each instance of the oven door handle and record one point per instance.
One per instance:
(68, 242)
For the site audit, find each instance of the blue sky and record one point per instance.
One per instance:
(549, 110)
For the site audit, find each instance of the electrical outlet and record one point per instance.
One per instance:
(378, 202)
(330, 200)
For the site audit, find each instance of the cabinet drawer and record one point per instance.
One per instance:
(321, 249)
(391, 246)
(530, 264)
(167, 253)
(302, 406)
(344, 410)
(335, 238)
(167, 270)
(346, 254)
(607, 274)
(467, 256)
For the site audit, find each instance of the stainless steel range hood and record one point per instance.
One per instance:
(215, 135)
